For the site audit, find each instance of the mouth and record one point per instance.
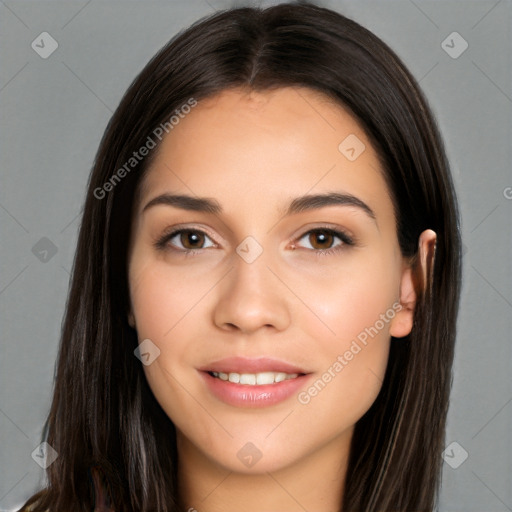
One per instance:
(255, 379)
(252, 366)
(261, 382)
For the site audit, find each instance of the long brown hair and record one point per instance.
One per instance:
(104, 416)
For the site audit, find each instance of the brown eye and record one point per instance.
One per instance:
(321, 239)
(325, 241)
(192, 239)
(185, 241)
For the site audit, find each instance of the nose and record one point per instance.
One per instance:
(252, 296)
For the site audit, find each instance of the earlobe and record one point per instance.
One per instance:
(131, 320)
(415, 278)
(401, 324)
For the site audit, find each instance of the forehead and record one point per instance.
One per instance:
(252, 149)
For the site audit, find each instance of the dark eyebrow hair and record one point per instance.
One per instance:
(311, 202)
(297, 205)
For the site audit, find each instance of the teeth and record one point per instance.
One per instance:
(248, 378)
(255, 379)
(234, 377)
(280, 376)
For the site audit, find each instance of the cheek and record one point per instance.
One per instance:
(163, 305)
(352, 342)
(168, 307)
(161, 298)
(356, 298)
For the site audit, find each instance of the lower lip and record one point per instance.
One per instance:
(243, 395)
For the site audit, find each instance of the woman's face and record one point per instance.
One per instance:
(266, 284)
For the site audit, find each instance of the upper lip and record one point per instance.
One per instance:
(251, 365)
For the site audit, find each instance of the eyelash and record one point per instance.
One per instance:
(162, 243)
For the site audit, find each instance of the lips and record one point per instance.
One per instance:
(236, 380)
(243, 365)
(243, 395)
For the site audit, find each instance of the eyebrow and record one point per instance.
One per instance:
(297, 205)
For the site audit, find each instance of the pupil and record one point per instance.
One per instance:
(191, 238)
(322, 237)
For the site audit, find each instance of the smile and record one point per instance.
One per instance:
(253, 390)
(254, 379)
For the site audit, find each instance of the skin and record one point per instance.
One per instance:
(254, 152)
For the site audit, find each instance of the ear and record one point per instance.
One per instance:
(131, 319)
(414, 279)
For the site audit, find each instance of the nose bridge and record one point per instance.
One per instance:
(252, 296)
(251, 266)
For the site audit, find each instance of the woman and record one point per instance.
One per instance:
(263, 305)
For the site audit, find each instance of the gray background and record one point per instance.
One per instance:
(54, 111)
